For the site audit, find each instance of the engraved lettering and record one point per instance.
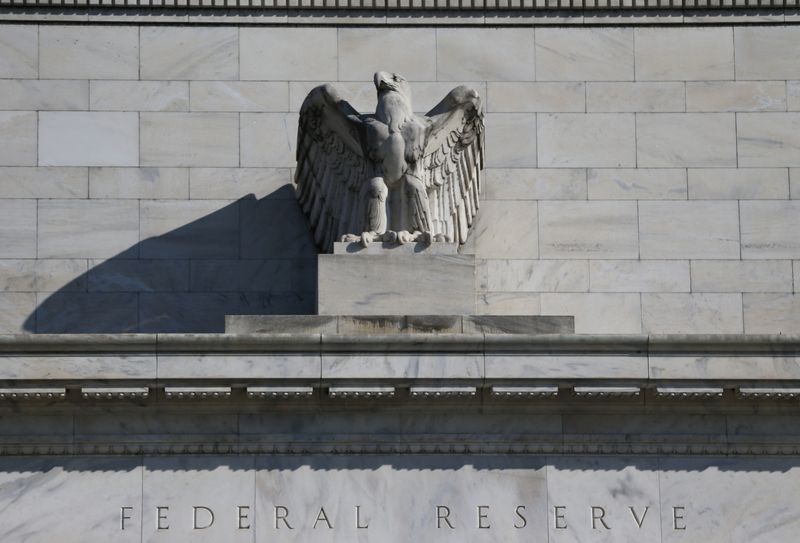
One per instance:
(518, 511)
(243, 512)
(677, 515)
(197, 508)
(595, 517)
(282, 513)
(443, 517)
(123, 516)
(636, 517)
(359, 526)
(322, 516)
(559, 516)
(482, 515)
(161, 509)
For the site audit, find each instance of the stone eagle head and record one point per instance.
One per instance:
(387, 82)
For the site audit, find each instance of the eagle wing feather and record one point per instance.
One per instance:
(332, 166)
(452, 162)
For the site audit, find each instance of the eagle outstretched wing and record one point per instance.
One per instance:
(331, 166)
(452, 161)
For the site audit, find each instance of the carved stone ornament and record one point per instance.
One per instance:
(392, 176)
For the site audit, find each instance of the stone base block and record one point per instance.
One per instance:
(395, 324)
(400, 280)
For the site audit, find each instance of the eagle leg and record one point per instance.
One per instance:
(376, 215)
(419, 211)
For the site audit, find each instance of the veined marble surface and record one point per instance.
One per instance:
(384, 499)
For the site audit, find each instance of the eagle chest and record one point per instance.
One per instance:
(394, 152)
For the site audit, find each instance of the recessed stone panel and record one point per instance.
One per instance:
(584, 54)
(138, 183)
(88, 139)
(190, 53)
(736, 96)
(34, 94)
(597, 313)
(268, 139)
(768, 139)
(535, 184)
(637, 184)
(18, 138)
(19, 49)
(666, 140)
(513, 144)
(278, 54)
(684, 230)
(554, 97)
(83, 52)
(616, 97)
(18, 229)
(738, 183)
(410, 52)
(588, 230)
(755, 52)
(498, 217)
(484, 54)
(777, 313)
(139, 95)
(742, 275)
(239, 96)
(639, 276)
(190, 139)
(770, 229)
(602, 140)
(671, 54)
(87, 228)
(692, 313)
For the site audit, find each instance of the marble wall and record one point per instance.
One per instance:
(642, 179)
(391, 498)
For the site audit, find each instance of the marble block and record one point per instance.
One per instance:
(393, 283)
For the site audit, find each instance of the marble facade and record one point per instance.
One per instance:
(145, 170)
(612, 357)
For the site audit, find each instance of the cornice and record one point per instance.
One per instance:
(491, 13)
(389, 6)
(575, 445)
(738, 344)
(407, 367)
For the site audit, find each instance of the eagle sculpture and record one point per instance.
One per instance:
(393, 176)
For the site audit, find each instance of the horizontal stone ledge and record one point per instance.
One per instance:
(80, 343)
(453, 7)
(604, 14)
(67, 344)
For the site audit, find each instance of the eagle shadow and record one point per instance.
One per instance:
(251, 257)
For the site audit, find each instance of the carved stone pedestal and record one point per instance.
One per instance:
(409, 279)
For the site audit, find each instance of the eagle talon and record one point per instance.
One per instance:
(367, 238)
(404, 236)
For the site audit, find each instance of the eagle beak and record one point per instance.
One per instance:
(381, 80)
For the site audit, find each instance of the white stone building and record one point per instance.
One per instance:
(642, 176)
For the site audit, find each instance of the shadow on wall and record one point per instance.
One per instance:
(251, 257)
